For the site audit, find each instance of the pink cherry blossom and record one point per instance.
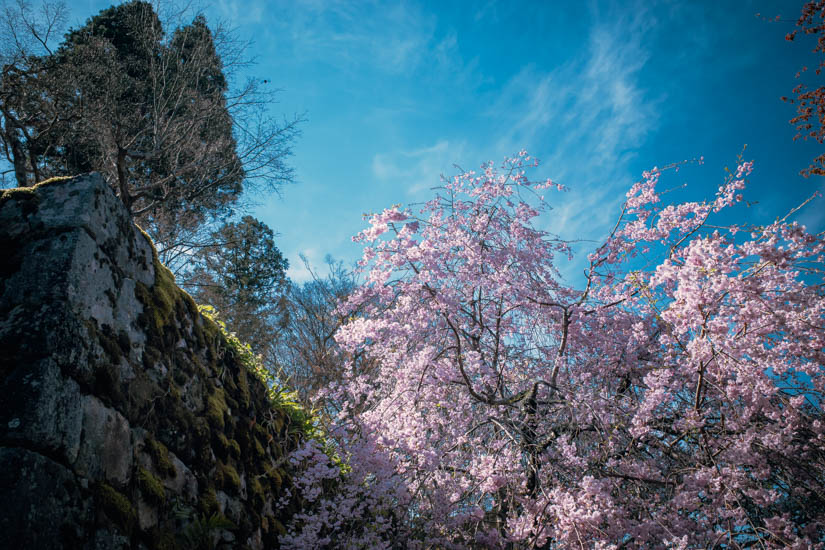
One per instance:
(669, 404)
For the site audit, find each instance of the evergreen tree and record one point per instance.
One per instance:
(242, 276)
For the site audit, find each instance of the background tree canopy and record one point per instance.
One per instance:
(150, 109)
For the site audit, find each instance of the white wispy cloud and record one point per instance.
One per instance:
(418, 170)
(300, 263)
(591, 108)
(393, 37)
(585, 119)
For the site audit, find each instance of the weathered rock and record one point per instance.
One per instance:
(42, 507)
(43, 411)
(123, 421)
(105, 447)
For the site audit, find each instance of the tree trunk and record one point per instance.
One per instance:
(18, 155)
(122, 179)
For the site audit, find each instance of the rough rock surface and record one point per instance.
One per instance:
(125, 420)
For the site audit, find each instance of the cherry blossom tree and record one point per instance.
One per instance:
(672, 399)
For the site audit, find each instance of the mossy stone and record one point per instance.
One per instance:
(235, 448)
(151, 487)
(116, 507)
(162, 540)
(215, 409)
(26, 197)
(243, 387)
(275, 478)
(55, 179)
(174, 391)
(221, 446)
(227, 478)
(163, 302)
(256, 493)
(226, 447)
(278, 527)
(110, 346)
(160, 457)
(260, 452)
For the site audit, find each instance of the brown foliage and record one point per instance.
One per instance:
(810, 102)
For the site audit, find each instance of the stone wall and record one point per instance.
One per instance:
(125, 419)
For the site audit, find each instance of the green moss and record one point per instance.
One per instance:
(221, 446)
(208, 503)
(210, 330)
(215, 409)
(117, 507)
(159, 301)
(27, 197)
(160, 457)
(202, 442)
(235, 448)
(256, 493)
(276, 478)
(264, 436)
(151, 243)
(226, 447)
(162, 539)
(163, 304)
(151, 487)
(243, 387)
(227, 478)
(54, 180)
(259, 449)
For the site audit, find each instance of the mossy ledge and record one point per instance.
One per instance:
(160, 423)
(28, 195)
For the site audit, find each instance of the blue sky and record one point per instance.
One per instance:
(396, 93)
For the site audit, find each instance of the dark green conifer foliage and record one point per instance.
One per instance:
(243, 276)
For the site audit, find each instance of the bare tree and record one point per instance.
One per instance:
(29, 119)
(306, 351)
